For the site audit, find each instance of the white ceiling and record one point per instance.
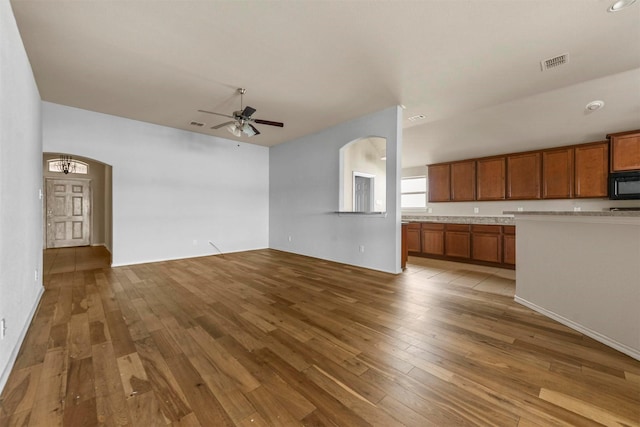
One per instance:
(471, 66)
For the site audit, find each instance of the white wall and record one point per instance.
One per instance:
(583, 271)
(20, 183)
(173, 190)
(304, 182)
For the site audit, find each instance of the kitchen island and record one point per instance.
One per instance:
(583, 270)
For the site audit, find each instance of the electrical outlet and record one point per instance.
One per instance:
(476, 210)
(290, 238)
(429, 210)
(3, 328)
(520, 208)
(577, 208)
(36, 275)
(362, 248)
(195, 242)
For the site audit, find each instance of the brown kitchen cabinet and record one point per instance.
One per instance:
(463, 181)
(557, 173)
(625, 151)
(413, 237)
(523, 176)
(509, 244)
(486, 243)
(432, 238)
(490, 178)
(439, 182)
(591, 170)
(457, 241)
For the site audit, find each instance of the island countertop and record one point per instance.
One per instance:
(579, 213)
(461, 219)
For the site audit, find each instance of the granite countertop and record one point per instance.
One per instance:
(456, 219)
(578, 213)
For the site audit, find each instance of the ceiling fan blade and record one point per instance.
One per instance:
(268, 122)
(217, 114)
(254, 128)
(221, 125)
(248, 111)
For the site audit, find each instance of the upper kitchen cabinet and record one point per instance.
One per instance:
(490, 178)
(557, 173)
(591, 170)
(463, 181)
(523, 176)
(625, 151)
(439, 182)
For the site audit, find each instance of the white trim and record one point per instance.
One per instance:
(183, 257)
(629, 351)
(14, 354)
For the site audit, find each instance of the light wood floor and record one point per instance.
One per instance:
(265, 338)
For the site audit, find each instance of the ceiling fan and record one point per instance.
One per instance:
(242, 119)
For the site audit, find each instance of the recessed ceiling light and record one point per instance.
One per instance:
(594, 105)
(417, 117)
(620, 4)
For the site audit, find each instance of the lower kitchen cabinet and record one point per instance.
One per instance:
(487, 243)
(457, 241)
(476, 244)
(509, 245)
(432, 239)
(413, 237)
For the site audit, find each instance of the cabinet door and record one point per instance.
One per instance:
(625, 152)
(463, 181)
(509, 244)
(439, 183)
(523, 176)
(557, 174)
(490, 179)
(433, 239)
(457, 241)
(413, 237)
(591, 170)
(486, 243)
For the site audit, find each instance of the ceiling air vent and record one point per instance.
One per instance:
(554, 62)
(418, 117)
(197, 124)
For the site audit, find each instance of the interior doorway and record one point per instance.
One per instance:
(77, 202)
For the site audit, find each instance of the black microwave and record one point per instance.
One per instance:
(624, 185)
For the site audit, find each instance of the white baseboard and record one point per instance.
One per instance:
(629, 351)
(14, 354)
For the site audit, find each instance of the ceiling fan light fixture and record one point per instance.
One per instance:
(234, 129)
(248, 130)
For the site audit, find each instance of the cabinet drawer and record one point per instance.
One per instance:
(486, 229)
(414, 226)
(457, 227)
(432, 226)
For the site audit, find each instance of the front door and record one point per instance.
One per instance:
(68, 205)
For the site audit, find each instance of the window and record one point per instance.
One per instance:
(68, 165)
(414, 192)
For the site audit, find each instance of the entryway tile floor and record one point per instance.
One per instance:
(478, 277)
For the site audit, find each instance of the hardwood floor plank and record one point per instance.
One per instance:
(270, 338)
(204, 404)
